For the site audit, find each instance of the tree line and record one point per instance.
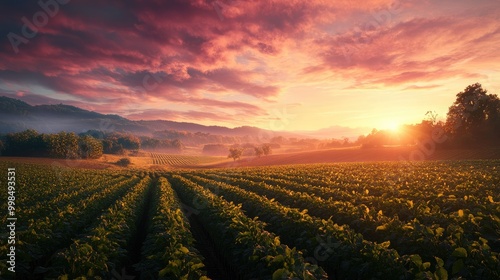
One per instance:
(59, 145)
(472, 121)
(89, 145)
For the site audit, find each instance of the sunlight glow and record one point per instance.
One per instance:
(392, 126)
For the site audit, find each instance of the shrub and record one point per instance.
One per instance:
(123, 162)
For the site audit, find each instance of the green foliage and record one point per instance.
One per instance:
(428, 220)
(57, 205)
(111, 146)
(244, 238)
(90, 147)
(129, 142)
(103, 248)
(169, 246)
(433, 209)
(124, 162)
(180, 160)
(61, 145)
(26, 143)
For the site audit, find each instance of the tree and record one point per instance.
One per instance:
(90, 147)
(177, 145)
(150, 143)
(25, 143)
(258, 151)
(129, 142)
(474, 116)
(375, 139)
(63, 145)
(266, 149)
(110, 145)
(97, 134)
(235, 153)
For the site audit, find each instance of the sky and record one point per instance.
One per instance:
(280, 64)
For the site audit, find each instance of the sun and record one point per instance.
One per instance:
(392, 126)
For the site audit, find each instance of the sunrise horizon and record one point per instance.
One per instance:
(285, 66)
(250, 139)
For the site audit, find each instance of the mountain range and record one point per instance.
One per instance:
(17, 115)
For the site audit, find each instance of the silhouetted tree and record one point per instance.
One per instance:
(474, 117)
(374, 140)
(235, 153)
(266, 149)
(258, 151)
(177, 144)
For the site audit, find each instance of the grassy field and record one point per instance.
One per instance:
(370, 220)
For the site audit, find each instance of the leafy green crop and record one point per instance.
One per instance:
(386, 220)
(169, 251)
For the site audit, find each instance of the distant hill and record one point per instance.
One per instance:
(337, 132)
(16, 115)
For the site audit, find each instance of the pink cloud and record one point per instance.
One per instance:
(101, 52)
(196, 116)
(418, 49)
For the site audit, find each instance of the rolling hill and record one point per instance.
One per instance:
(16, 115)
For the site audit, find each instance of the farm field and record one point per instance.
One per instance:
(377, 220)
(181, 160)
(360, 155)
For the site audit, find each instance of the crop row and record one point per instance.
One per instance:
(251, 251)
(43, 234)
(457, 231)
(169, 250)
(103, 249)
(431, 233)
(338, 249)
(433, 220)
(39, 182)
(415, 202)
(450, 186)
(179, 160)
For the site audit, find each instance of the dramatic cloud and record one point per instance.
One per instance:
(234, 62)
